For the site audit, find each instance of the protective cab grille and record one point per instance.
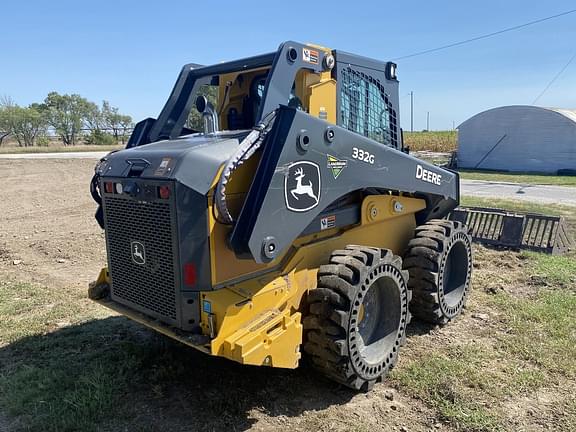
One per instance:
(365, 108)
(141, 256)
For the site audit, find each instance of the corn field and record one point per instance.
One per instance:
(437, 141)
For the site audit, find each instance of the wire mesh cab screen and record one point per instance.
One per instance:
(365, 108)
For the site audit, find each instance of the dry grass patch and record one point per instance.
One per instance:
(60, 149)
(539, 179)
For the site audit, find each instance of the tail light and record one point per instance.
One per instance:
(190, 274)
(164, 192)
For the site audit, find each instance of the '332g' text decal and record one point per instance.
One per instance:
(362, 155)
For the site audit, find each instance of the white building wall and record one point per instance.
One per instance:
(522, 138)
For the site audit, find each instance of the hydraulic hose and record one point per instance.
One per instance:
(95, 190)
(245, 150)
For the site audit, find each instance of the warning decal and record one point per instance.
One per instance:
(310, 56)
(328, 222)
(164, 167)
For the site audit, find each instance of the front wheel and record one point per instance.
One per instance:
(357, 316)
(439, 260)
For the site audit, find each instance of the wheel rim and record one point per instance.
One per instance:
(381, 312)
(456, 274)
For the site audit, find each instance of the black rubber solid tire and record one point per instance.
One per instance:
(439, 260)
(332, 327)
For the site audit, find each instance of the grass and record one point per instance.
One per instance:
(436, 141)
(530, 347)
(527, 345)
(58, 149)
(541, 331)
(559, 271)
(540, 179)
(524, 206)
(67, 385)
(68, 365)
(444, 379)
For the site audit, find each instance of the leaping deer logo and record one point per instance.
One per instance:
(138, 253)
(301, 188)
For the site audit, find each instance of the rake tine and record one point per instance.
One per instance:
(536, 232)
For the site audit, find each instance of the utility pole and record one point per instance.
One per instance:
(428, 120)
(411, 111)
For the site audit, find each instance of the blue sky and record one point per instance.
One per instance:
(130, 52)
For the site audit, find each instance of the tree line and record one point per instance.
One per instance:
(71, 118)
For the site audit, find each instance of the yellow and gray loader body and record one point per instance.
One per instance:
(271, 211)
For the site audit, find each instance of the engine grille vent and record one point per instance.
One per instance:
(147, 226)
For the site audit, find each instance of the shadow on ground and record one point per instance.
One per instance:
(419, 328)
(112, 374)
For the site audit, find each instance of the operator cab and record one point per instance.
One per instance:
(235, 99)
(353, 92)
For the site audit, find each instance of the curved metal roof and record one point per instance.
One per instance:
(570, 113)
(565, 112)
(519, 138)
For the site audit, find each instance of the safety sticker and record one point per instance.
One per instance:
(164, 167)
(310, 56)
(336, 165)
(207, 306)
(328, 222)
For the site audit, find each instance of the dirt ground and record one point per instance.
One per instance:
(48, 237)
(47, 224)
(49, 231)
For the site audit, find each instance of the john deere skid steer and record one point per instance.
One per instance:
(271, 212)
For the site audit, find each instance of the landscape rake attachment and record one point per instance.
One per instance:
(531, 231)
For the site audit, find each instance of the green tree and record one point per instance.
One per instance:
(4, 129)
(95, 122)
(25, 124)
(67, 114)
(5, 103)
(118, 124)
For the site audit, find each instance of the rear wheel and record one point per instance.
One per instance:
(357, 316)
(439, 260)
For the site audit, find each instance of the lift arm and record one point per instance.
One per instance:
(308, 164)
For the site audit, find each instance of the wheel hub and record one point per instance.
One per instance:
(379, 319)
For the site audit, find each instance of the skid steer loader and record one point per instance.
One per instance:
(271, 211)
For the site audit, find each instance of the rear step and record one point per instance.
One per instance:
(497, 227)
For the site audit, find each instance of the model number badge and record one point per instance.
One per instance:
(428, 176)
(363, 155)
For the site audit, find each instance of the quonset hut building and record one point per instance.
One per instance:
(519, 138)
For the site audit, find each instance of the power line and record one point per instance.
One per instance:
(509, 29)
(555, 78)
